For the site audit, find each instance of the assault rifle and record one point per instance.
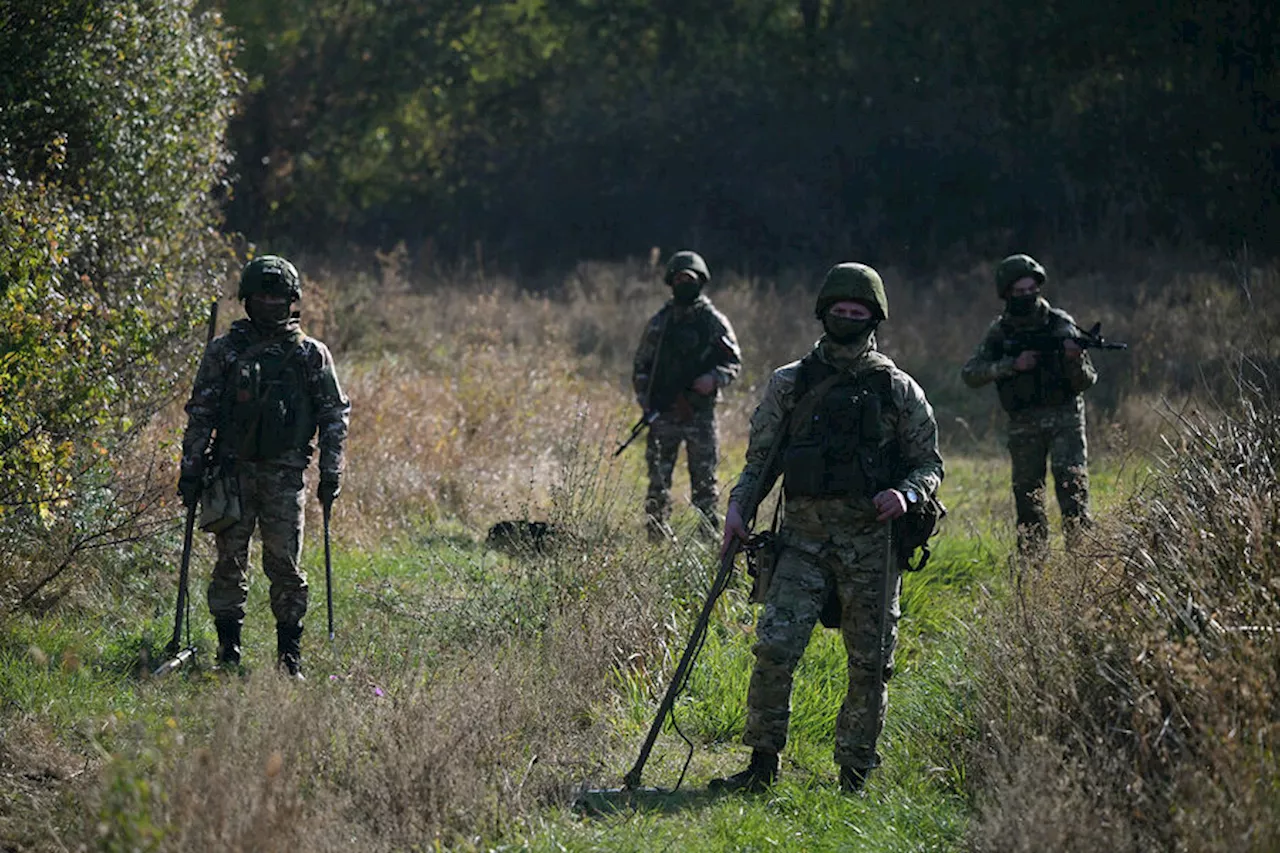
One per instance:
(667, 394)
(1047, 343)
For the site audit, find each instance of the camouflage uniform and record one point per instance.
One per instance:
(1046, 420)
(676, 338)
(271, 489)
(835, 542)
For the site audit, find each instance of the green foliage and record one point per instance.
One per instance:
(775, 130)
(112, 119)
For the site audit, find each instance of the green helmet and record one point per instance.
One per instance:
(852, 281)
(1017, 267)
(687, 260)
(272, 275)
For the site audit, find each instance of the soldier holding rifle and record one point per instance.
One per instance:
(1037, 357)
(687, 353)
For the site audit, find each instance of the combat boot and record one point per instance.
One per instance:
(228, 642)
(852, 779)
(759, 775)
(289, 650)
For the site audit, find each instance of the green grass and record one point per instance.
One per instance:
(422, 602)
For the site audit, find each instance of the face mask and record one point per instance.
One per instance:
(1021, 306)
(844, 331)
(268, 317)
(685, 292)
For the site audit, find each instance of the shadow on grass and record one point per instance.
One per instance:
(598, 803)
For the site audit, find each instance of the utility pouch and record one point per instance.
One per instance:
(219, 500)
(915, 528)
(803, 467)
(762, 557)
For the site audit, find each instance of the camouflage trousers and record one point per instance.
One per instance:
(1057, 434)
(271, 498)
(804, 573)
(702, 448)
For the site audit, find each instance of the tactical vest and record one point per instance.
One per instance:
(1044, 385)
(683, 343)
(266, 408)
(837, 445)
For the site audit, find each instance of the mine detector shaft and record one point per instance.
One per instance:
(680, 677)
(176, 654)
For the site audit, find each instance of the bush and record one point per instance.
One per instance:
(112, 119)
(1131, 698)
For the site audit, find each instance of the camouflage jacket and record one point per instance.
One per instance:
(206, 410)
(1055, 381)
(675, 341)
(909, 423)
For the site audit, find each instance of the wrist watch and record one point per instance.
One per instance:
(912, 496)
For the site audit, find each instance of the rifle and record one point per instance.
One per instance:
(669, 393)
(178, 657)
(1047, 343)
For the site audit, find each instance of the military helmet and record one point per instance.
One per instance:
(852, 281)
(1017, 267)
(687, 260)
(272, 275)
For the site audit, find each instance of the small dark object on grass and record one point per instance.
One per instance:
(522, 537)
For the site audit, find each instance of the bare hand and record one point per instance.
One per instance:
(1072, 349)
(1025, 361)
(890, 504)
(705, 385)
(735, 529)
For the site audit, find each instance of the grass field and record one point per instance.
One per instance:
(469, 695)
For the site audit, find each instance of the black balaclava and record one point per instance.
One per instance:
(844, 331)
(268, 318)
(686, 292)
(1022, 306)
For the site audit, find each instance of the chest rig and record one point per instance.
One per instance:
(266, 408)
(838, 446)
(1044, 385)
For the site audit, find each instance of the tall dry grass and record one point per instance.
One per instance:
(1130, 691)
(463, 389)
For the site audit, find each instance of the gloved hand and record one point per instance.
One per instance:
(329, 488)
(189, 486)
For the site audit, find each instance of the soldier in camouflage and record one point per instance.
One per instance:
(262, 393)
(861, 448)
(687, 353)
(1042, 393)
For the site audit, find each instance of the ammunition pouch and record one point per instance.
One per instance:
(763, 551)
(220, 499)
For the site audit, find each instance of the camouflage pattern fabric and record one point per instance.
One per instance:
(909, 422)
(329, 404)
(672, 339)
(702, 449)
(271, 491)
(1041, 432)
(272, 499)
(833, 541)
(806, 569)
(1058, 434)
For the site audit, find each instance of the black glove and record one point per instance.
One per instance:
(189, 486)
(329, 488)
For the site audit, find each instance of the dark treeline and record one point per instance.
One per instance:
(769, 132)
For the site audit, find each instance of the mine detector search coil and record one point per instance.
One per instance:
(177, 653)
